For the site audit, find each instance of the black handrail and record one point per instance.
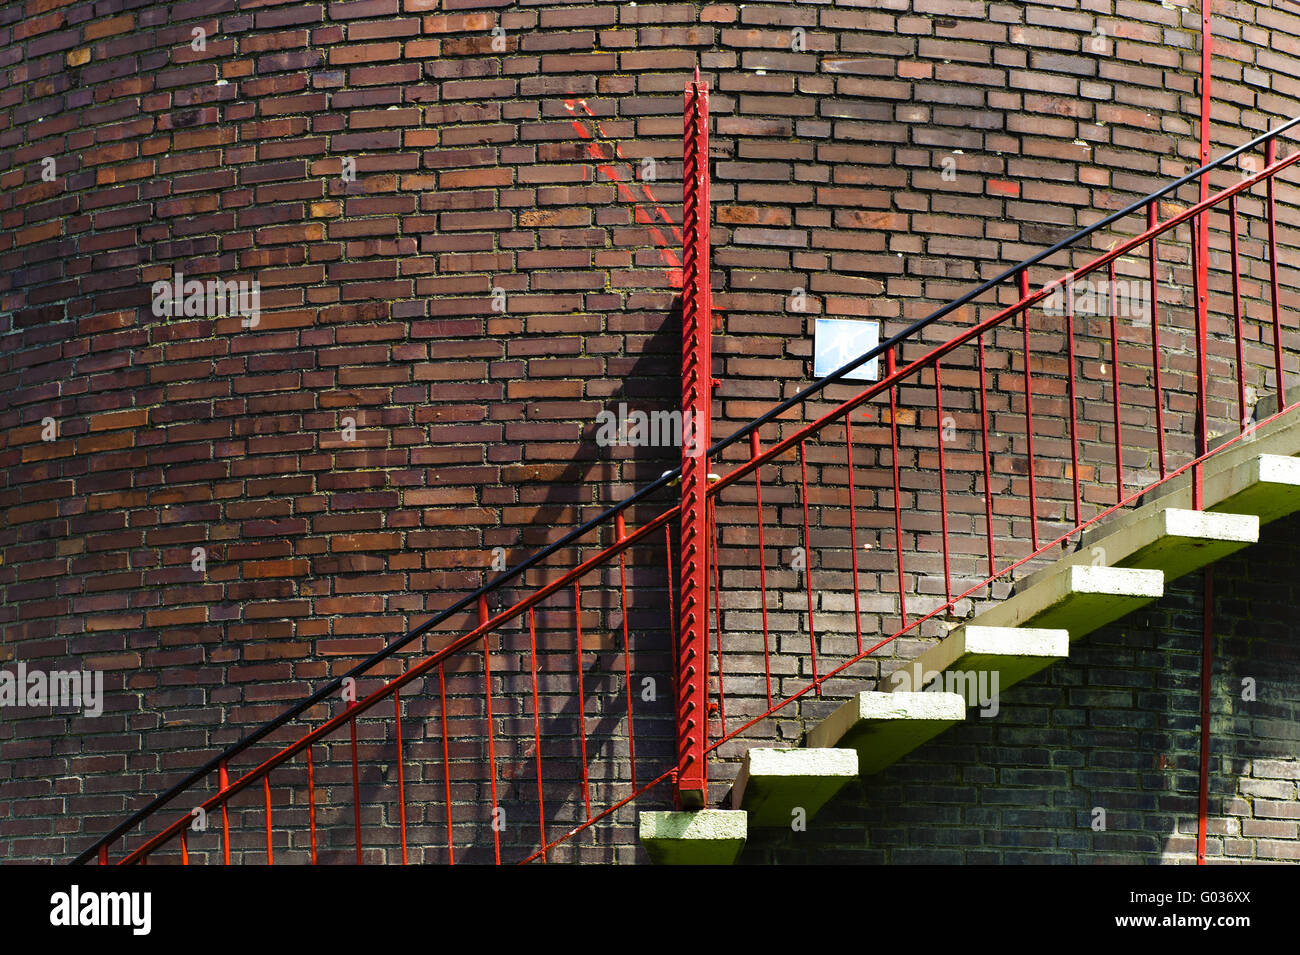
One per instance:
(667, 478)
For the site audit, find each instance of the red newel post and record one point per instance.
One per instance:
(697, 378)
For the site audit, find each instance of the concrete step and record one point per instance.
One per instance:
(703, 837)
(884, 727)
(773, 783)
(1223, 474)
(1077, 598)
(1267, 485)
(1013, 653)
(1155, 536)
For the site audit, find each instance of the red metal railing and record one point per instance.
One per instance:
(1076, 502)
(535, 724)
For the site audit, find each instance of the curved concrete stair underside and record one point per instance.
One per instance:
(1120, 565)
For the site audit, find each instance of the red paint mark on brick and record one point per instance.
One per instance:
(667, 250)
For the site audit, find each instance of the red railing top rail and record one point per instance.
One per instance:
(575, 535)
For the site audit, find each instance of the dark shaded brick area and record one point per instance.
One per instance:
(1115, 727)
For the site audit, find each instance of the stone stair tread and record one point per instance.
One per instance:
(1015, 653)
(773, 783)
(1077, 598)
(698, 837)
(884, 727)
(1267, 486)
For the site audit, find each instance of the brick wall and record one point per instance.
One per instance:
(382, 168)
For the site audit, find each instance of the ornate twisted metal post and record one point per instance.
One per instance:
(697, 328)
